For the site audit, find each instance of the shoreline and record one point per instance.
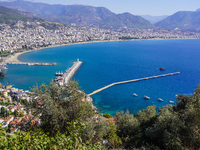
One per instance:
(14, 58)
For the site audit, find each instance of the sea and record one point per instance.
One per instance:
(108, 62)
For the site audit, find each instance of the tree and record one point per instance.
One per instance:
(15, 113)
(21, 115)
(3, 111)
(58, 106)
(128, 129)
(114, 141)
(107, 115)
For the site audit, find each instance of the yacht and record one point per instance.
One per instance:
(146, 97)
(160, 100)
(161, 68)
(134, 94)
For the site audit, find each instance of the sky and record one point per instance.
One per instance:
(136, 7)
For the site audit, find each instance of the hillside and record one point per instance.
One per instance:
(80, 15)
(182, 20)
(9, 16)
(16, 18)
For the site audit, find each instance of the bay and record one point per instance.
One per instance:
(108, 62)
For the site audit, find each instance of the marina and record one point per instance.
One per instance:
(100, 70)
(63, 78)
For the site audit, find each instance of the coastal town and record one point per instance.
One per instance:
(14, 39)
(13, 101)
(13, 114)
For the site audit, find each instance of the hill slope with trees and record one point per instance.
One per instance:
(15, 18)
(68, 122)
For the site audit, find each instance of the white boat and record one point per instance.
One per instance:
(160, 100)
(146, 97)
(4, 68)
(171, 102)
(134, 94)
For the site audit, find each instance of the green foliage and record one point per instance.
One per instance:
(95, 130)
(114, 141)
(36, 139)
(3, 110)
(59, 105)
(126, 38)
(23, 101)
(68, 123)
(21, 115)
(107, 115)
(15, 113)
(173, 128)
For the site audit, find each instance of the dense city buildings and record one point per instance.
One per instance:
(12, 39)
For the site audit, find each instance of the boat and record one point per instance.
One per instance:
(58, 74)
(160, 100)
(134, 94)
(2, 74)
(171, 102)
(4, 68)
(161, 68)
(146, 97)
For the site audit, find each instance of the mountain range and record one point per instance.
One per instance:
(80, 15)
(102, 17)
(182, 20)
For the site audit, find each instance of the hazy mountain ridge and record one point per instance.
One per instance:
(182, 20)
(154, 19)
(80, 15)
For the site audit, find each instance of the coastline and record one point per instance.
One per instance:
(102, 42)
(14, 58)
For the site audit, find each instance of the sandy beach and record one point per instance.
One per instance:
(14, 58)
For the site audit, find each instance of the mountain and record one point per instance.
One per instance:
(198, 10)
(182, 20)
(80, 15)
(10, 16)
(27, 20)
(154, 19)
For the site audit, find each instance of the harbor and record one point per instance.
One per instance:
(63, 78)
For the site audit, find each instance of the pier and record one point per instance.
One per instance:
(63, 78)
(32, 64)
(134, 80)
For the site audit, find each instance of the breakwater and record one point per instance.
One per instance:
(32, 64)
(134, 80)
(63, 78)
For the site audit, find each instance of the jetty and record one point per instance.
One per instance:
(134, 80)
(32, 64)
(68, 74)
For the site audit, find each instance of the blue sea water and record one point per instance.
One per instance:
(108, 62)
